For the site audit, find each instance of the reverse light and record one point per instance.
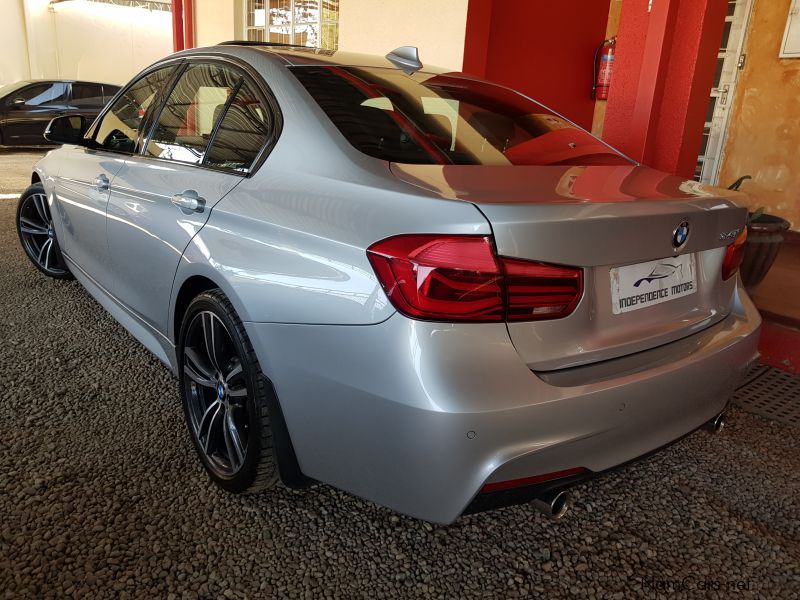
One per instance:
(734, 254)
(460, 278)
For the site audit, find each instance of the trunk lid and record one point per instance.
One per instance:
(604, 219)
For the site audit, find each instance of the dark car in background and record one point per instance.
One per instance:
(26, 107)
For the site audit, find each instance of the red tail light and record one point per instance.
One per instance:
(459, 278)
(734, 255)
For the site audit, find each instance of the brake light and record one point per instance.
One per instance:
(734, 254)
(460, 278)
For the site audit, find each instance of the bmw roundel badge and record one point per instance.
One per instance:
(681, 234)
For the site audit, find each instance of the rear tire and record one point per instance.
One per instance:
(38, 235)
(225, 395)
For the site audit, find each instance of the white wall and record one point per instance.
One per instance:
(104, 42)
(436, 27)
(80, 39)
(14, 64)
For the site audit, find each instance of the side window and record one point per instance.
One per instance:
(244, 130)
(109, 91)
(184, 127)
(88, 95)
(42, 94)
(119, 128)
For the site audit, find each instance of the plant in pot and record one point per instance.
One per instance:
(765, 234)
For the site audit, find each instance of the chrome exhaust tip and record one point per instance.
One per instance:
(553, 504)
(716, 424)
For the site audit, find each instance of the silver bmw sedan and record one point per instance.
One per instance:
(423, 288)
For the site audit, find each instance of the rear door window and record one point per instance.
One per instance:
(87, 95)
(109, 91)
(245, 128)
(183, 129)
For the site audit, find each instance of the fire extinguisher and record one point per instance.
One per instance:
(603, 68)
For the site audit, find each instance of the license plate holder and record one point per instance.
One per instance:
(646, 284)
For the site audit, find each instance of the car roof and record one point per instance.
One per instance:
(297, 56)
(30, 81)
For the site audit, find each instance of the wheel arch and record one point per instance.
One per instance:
(35, 178)
(189, 290)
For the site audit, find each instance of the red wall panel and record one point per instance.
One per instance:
(663, 73)
(544, 48)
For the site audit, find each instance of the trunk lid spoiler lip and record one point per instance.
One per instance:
(489, 184)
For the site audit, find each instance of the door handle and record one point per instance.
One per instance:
(723, 98)
(101, 183)
(189, 200)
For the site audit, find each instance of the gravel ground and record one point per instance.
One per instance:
(101, 495)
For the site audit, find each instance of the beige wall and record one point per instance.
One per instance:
(40, 32)
(764, 132)
(436, 27)
(104, 42)
(14, 64)
(80, 40)
(214, 21)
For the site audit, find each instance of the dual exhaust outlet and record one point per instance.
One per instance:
(555, 504)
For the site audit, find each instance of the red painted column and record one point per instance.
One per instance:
(477, 37)
(188, 24)
(177, 25)
(663, 73)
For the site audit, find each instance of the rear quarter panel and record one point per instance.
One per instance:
(288, 245)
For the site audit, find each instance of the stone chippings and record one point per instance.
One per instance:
(101, 495)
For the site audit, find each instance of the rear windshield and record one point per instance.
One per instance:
(445, 119)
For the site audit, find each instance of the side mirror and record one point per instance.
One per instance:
(18, 102)
(68, 129)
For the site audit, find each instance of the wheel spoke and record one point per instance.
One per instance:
(212, 338)
(197, 369)
(234, 372)
(31, 228)
(43, 250)
(207, 424)
(233, 441)
(237, 393)
(40, 202)
(197, 377)
(47, 256)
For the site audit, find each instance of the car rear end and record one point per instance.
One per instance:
(598, 321)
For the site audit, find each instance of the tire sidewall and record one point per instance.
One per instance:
(245, 476)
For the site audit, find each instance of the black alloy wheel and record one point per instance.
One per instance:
(37, 234)
(224, 396)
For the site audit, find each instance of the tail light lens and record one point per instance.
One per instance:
(537, 291)
(459, 278)
(734, 255)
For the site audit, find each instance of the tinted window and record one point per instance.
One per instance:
(119, 128)
(442, 119)
(244, 130)
(187, 120)
(41, 94)
(88, 95)
(109, 91)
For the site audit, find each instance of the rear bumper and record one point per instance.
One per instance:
(419, 416)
